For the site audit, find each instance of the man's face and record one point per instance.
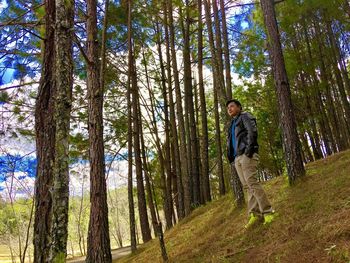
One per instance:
(233, 109)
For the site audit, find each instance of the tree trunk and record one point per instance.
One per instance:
(291, 141)
(147, 180)
(219, 85)
(237, 187)
(203, 110)
(218, 45)
(180, 116)
(45, 130)
(226, 51)
(168, 208)
(132, 223)
(329, 121)
(339, 80)
(218, 88)
(64, 85)
(157, 142)
(99, 249)
(190, 109)
(178, 191)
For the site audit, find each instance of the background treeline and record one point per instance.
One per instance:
(146, 83)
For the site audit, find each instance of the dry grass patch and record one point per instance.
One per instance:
(312, 225)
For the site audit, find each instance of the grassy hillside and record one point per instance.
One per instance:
(313, 224)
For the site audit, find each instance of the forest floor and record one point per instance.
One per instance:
(116, 253)
(312, 224)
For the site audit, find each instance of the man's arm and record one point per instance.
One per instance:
(249, 123)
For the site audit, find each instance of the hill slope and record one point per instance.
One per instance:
(313, 224)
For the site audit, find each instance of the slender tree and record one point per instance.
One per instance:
(291, 143)
(189, 105)
(217, 92)
(141, 197)
(98, 242)
(45, 131)
(203, 109)
(64, 85)
(226, 50)
(168, 200)
(180, 114)
(174, 140)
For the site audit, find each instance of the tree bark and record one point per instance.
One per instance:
(190, 109)
(168, 208)
(147, 180)
(218, 89)
(203, 110)
(180, 115)
(291, 143)
(141, 197)
(64, 85)
(99, 249)
(226, 51)
(179, 191)
(45, 130)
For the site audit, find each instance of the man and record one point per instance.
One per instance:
(242, 149)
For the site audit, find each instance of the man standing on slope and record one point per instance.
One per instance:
(242, 149)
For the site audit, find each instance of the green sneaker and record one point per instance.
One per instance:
(254, 220)
(268, 218)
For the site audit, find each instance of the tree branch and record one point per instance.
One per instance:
(18, 86)
(77, 42)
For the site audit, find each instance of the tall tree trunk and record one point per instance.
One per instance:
(99, 249)
(168, 208)
(157, 141)
(132, 223)
(218, 89)
(324, 123)
(291, 143)
(180, 115)
(218, 45)
(328, 120)
(147, 180)
(64, 85)
(141, 197)
(190, 109)
(315, 140)
(45, 130)
(226, 50)
(219, 85)
(203, 109)
(196, 110)
(220, 170)
(343, 96)
(179, 191)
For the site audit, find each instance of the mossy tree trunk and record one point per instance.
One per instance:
(45, 131)
(64, 84)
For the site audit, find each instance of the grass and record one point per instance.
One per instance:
(312, 225)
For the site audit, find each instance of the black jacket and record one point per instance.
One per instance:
(246, 135)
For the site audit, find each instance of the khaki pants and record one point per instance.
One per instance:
(257, 200)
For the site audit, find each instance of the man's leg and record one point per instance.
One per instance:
(259, 198)
(253, 206)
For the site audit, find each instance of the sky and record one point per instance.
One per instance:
(7, 77)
